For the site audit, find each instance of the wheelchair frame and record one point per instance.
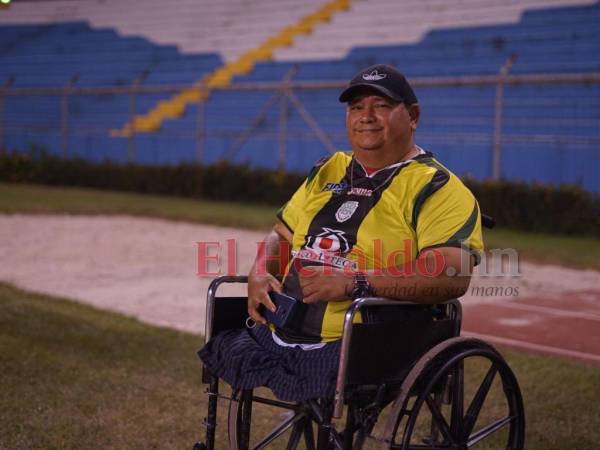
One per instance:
(436, 377)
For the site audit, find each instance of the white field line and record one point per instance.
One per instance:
(535, 347)
(553, 311)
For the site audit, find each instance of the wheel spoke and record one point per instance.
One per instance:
(296, 435)
(246, 417)
(279, 430)
(309, 437)
(440, 420)
(478, 400)
(486, 431)
(457, 398)
(239, 416)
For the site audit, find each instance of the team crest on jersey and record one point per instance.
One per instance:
(346, 211)
(336, 188)
(329, 240)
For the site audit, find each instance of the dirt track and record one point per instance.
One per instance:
(147, 268)
(142, 267)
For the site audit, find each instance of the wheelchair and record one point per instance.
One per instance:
(431, 389)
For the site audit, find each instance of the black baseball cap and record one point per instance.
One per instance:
(383, 78)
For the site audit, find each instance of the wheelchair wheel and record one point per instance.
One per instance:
(459, 394)
(277, 425)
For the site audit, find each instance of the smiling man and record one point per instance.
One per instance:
(386, 219)
(382, 117)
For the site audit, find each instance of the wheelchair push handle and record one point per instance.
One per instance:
(488, 221)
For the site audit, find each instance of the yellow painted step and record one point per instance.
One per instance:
(342, 5)
(259, 54)
(171, 108)
(148, 127)
(219, 80)
(145, 124)
(241, 66)
(302, 27)
(174, 110)
(280, 40)
(193, 95)
(319, 16)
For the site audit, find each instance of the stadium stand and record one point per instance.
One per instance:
(550, 132)
(221, 77)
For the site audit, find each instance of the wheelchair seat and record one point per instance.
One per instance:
(401, 370)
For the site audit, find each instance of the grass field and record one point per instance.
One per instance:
(575, 252)
(18, 198)
(76, 377)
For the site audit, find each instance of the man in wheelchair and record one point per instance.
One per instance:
(384, 220)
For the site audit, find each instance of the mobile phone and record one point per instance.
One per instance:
(288, 313)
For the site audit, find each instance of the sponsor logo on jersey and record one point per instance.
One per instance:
(325, 258)
(331, 241)
(336, 188)
(361, 192)
(374, 76)
(346, 211)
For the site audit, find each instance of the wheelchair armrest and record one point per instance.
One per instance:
(356, 306)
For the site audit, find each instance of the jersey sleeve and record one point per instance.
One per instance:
(289, 213)
(449, 217)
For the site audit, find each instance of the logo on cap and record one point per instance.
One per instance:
(374, 76)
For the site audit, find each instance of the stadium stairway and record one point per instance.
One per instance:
(175, 107)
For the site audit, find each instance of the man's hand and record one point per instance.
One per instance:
(261, 281)
(258, 292)
(324, 284)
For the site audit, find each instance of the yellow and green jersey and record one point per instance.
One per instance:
(344, 218)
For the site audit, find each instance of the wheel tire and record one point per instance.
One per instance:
(240, 411)
(444, 366)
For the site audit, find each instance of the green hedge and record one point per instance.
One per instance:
(567, 209)
(522, 206)
(217, 182)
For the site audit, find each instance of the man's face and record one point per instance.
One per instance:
(374, 122)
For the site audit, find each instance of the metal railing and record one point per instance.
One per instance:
(284, 98)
